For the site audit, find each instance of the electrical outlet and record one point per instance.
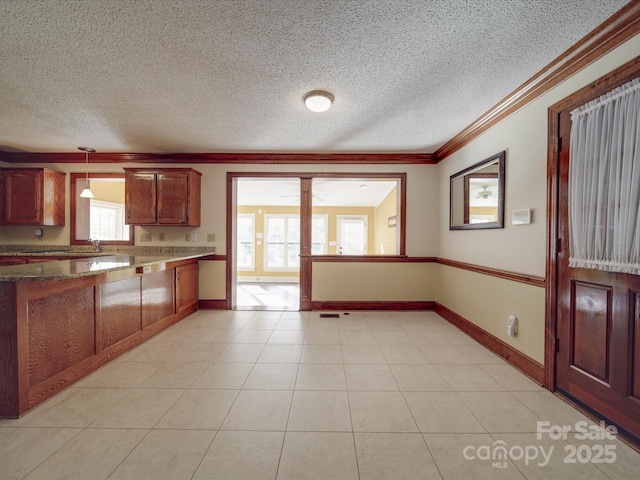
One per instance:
(211, 237)
(161, 236)
(190, 237)
(145, 237)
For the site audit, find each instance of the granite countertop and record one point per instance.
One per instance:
(93, 263)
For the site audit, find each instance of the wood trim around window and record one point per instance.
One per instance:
(75, 195)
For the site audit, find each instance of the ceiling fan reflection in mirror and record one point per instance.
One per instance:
(484, 193)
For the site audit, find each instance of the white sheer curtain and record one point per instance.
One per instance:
(604, 182)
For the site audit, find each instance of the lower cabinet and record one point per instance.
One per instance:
(61, 330)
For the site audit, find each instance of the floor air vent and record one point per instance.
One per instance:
(329, 315)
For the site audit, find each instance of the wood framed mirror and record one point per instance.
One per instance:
(477, 195)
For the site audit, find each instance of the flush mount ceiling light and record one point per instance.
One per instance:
(318, 100)
(86, 193)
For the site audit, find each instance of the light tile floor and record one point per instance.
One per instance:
(288, 395)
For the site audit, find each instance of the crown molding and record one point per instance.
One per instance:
(619, 28)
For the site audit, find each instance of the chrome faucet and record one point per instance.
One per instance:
(96, 243)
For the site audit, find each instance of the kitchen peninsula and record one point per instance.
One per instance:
(61, 320)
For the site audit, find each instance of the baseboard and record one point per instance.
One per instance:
(522, 362)
(212, 304)
(352, 305)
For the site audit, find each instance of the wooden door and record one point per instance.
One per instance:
(173, 198)
(140, 198)
(23, 194)
(598, 325)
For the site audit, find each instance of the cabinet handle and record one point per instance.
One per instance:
(160, 214)
(178, 275)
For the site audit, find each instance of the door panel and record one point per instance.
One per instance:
(598, 325)
(591, 313)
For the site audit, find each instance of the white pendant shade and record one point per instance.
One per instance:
(86, 193)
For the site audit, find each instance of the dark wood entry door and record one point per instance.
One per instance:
(598, 325)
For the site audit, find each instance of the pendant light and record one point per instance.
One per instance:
(86, 193)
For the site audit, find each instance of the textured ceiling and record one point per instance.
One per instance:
(228, 76)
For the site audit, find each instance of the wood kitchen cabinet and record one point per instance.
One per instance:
(168, 196)
(33, 196)
(186, 286)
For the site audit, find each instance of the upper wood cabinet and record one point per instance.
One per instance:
(167, 196)
(33, 196)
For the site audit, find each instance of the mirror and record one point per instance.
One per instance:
(477, 195)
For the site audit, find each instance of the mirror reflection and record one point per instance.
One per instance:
(477, 195)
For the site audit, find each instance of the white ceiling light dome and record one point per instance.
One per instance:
(318, 100)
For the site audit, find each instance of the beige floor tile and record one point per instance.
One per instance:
(441, 412)
(353, 323)
(380, 412)
(327, 324)
(510, 378)
(280, 354)
(456, 337)
(93, 454)
(255, 323)
(456, 458)
(25, 448)
(419, 378)
(239, 353)
(318, 456)
(321, 354)
(370, 378)
(550, 408)
(150, 352)
(383, 323)
(226, 376)
(287, 337)
(292, 323)
(394, 456)
(445, 355)
(468, 378)
(357, 337)
(165, 455)
(317, 376)
(481, 355)
(120, 375)
(500, 412)
(175, 375)
(392, 337)
(199, 409)
(259, 410)
(319, 411)
(429, 337)
(625, 464)
(258, 337)
(242, 456)
(363, 354)
(140, 408)
(403, 355)
(75, 407)
(322, 337)
(272, 376)
(545, 458)
(200, 352)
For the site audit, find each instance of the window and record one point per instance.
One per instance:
(246, 242)
(319, 234)
(107, 221)
(101, 218)
(282, 243)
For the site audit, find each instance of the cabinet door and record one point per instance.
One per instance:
(140, 198)
(23, 196)
(186, 286)
(157, 296)
(173, 198)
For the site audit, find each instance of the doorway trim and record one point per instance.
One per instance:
(608, 82)
(306, 259)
